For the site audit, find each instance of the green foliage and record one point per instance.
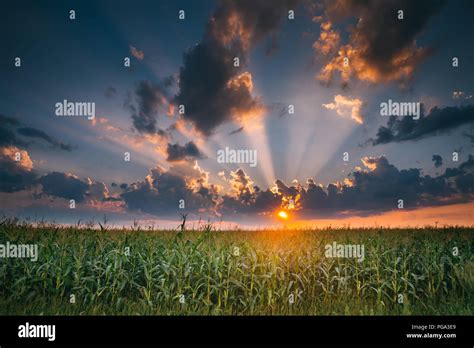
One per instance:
(202, 269)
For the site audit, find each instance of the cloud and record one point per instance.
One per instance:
(438, 160)
(345, 106)
(245, 197)
(36, 133)
(438, 121)
(150, 100)
(137, 53)
(187, 152)
(248, 21)
(8, 137)
(97, 190)
(69, 186)
(375, 188)
(463, 176)
(372, 189)
(381, 47)
(211, 88)
(4, 120)
(328, 41)
(242, 186)
(162, 190)
(64, 185)
(379, 187)
(11, 131)
(15, 175)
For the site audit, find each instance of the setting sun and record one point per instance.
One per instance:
(283, 215)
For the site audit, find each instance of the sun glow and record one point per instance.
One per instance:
(282, 215)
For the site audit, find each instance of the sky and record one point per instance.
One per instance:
(305, 98)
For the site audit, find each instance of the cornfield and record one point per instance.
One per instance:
(88, 271)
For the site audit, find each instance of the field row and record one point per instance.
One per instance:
(281, 272)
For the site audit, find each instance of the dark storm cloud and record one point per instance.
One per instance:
(261, 201)
(150, 100)
(376, 189)
(6, 120)
(16, 167)
(257, 18)
(15, 175)
(7, 134)
(467, 166)
(69, 186)
(10, 132)
(36, 133)
(438, 161)
(438, 121)
(204, 89)
(243, 186)
(177, 152)
(381, 47)
(463, 176)
(205, 79)
(162, 191)
(8, 137)
(63, 185)
(20, 175)
(465, 183)
(247, 198)
(381, 187)
(464, 168)
(392, 35)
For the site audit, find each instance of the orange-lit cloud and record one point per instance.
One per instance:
(212, 86)
(378, 51)
(21, 158)
(231, 28)
(137, 53)
(105, 124)
(370, 162)
(242, 185)
(328, 40)
(345, 106)
(350, 62)
(252, 112)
